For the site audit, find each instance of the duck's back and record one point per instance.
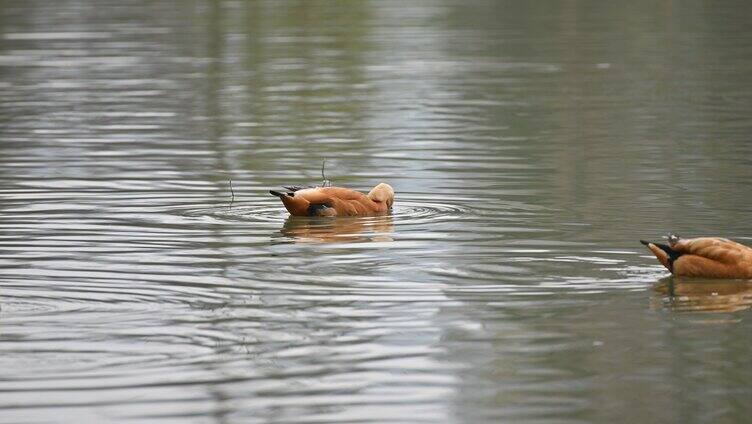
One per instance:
(713, 257)
(330, 201)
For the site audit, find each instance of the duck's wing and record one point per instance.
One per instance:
(714, 248)
(342, 193)
(713, 257)
(305, 202)
(345, 201)
(320, 201)
(316, 195)
(325, 201)
(710, 257)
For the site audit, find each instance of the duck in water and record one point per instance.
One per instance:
(336, 201)
(707, 257)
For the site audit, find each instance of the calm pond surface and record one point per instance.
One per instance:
(531, 144)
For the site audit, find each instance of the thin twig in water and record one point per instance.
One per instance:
(232, 192)
(325, 183)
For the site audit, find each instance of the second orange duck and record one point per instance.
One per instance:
(708, 257)
(336, 201)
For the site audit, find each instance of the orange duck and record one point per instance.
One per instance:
(336, 201)
(708, 257)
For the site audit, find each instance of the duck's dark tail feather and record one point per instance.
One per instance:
(290, 190)
(279, 194)
(672, 254)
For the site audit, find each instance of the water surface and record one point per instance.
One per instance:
(531, 144)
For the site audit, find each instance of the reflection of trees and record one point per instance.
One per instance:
(608, 109)
(293, 84)
(280, 81)
(636, 101)
(618, 113)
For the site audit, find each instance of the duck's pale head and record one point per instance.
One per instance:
(382, 193)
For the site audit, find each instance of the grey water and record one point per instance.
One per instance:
(530, 144)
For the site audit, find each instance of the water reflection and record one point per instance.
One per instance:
(530, 143)
(702, 295)
(338, 230)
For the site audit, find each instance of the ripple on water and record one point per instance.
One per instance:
(405, 213)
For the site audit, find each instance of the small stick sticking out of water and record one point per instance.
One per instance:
(232, 192)
(325, 183)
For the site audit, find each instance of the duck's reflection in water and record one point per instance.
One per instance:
(339, 229)
(701, 295)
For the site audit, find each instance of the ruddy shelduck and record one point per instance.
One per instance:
(336, 201)
(707, 257)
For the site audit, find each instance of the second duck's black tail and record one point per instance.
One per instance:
(672, 254)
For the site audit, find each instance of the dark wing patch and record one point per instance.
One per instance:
(319, 209)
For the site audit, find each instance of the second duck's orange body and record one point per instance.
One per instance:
(336, 201)
(708, 257)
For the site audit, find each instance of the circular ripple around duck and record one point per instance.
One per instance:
(405, 212)
(408, 212)
(265, 213)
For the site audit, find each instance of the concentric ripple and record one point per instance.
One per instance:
(403, 213)
(527, 145)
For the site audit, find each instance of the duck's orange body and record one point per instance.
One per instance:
(708, 257)
(336, 201)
